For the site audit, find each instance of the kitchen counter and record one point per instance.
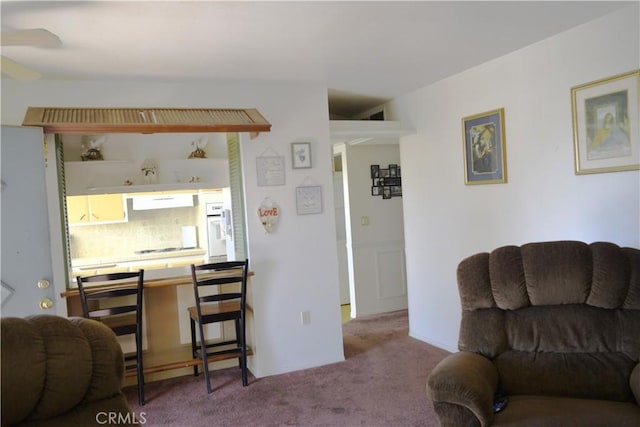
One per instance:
(176, 276)
(133, 257)
(149, 261)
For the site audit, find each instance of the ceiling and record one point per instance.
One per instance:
(365, 52)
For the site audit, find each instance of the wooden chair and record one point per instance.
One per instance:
(224, 305)
(107, 302)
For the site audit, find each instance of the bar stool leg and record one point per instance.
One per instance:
(193, 345)
(140, 368)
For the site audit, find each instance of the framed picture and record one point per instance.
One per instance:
(270, 170)
(301, 155)
(308, 200)
(386, 192)
(376, 190)
(396, 190)
(605, 124)
(375, 171)
(485, 158)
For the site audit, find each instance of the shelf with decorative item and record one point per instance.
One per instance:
(98, 163)
(123, 176)
(149, 188)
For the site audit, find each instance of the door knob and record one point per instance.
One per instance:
(46, 303)
(43, 284)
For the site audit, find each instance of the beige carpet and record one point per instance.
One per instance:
(381, 383)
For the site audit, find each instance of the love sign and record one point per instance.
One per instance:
(269, 214)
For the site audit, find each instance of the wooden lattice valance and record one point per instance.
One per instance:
(145, 120)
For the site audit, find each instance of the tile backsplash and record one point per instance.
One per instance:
(148, 229)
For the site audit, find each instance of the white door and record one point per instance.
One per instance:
(26, 270)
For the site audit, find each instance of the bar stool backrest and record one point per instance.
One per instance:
(106, 300)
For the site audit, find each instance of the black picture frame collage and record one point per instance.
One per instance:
(386, 182)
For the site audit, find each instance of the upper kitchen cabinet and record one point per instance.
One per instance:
(103, 208)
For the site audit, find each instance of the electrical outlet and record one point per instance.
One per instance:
(305, 317)
(364, 220)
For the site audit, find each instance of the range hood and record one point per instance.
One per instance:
(161, 201)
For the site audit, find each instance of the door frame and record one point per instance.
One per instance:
(56, 225)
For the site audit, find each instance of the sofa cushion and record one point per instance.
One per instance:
(557, 273)
(68, 366)
(107, 361)
(23, 369)
(545, 411)
(581, 375)
(54, 368)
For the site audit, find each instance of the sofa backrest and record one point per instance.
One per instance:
(557, 318)
(51, 365)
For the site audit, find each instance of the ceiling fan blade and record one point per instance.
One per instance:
(32, 37)
(17, 71)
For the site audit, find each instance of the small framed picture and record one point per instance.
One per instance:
(393, 170)
(308, 200)
(375, 171)
(386, 192)
(270, 170)
(375, 190)
(606, 127)
(485, 159)
(301, 155)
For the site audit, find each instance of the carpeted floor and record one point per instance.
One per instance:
(381, 383)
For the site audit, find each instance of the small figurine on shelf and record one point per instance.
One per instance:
(92, 148)
(150, 171)
(199, 146)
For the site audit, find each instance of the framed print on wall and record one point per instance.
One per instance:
(606, 134)
(301, 155)
(308, 199)
(484, 148)
(270, 170)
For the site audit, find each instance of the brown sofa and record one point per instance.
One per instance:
(554, 326)
(61, 372)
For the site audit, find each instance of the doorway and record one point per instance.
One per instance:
(341, 238)
(369, 230)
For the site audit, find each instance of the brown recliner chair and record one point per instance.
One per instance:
(61, 372)
(554, 327)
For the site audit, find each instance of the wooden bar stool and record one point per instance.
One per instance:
(109, 304)
(223, 305)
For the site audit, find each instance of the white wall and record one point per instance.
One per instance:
(445, 220)
(296, 266)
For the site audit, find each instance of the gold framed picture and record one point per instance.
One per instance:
(606, 135)
(485, 157)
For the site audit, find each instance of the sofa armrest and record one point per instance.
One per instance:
(468, 380)
(634, 382)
